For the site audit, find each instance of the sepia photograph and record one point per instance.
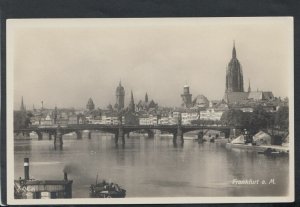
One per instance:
(150, 110)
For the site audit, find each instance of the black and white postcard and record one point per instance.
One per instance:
(150, 110)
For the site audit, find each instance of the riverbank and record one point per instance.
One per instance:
(258, 148)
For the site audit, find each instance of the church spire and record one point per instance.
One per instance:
(131, 104)
(22, 108)
(233, 50)
(146, 98)
(249, 87)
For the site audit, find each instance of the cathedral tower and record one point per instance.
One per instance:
(120, 95)
(234, 74)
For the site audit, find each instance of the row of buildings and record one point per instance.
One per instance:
(148, 112)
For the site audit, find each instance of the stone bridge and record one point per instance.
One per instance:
(120, 131)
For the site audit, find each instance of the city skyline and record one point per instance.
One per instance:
(65, 66)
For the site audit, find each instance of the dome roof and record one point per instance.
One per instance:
(201, 100)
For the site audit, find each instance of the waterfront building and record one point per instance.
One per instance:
(73, 119)
(148, 120)
(214, 114)
(120, 97)
(46, 121)
(90, 105)
(188, 117)
(186, 97)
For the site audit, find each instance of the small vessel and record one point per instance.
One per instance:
(106, 190)
(272, 152)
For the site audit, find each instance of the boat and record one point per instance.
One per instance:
(106, 190)
(273, 152)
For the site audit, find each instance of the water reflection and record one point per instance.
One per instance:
(154, 167)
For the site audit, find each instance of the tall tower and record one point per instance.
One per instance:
(186, 97)
(234, 74)
(90, 105)
(146, 98)
(22, 107)
(120, 95)
(131, 106)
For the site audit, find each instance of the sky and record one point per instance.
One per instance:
(64, 62)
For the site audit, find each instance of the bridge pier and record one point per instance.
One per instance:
(200, 137)
(79, 134)
(150, 133)
(40, 135)
(128, 134)
(58, 138)
(121, 135)
(51, 135)
(89, 134)
(180, 134)
(116, 138)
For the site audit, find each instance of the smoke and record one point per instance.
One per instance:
(71, 169)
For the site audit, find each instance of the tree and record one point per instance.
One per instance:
(233, 117)
(21, 119)
(282, 118)
(259, 119)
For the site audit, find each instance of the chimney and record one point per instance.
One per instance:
(65, 176)
(26, 168)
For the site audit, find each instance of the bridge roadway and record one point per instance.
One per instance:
(119, 130)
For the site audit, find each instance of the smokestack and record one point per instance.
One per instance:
(26, 168)
(65, 176)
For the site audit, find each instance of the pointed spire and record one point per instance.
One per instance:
(146, 97)
(233, 50)
(132, 100)
(249, 87)
(131, 104)
(120, 83)
(22, 108)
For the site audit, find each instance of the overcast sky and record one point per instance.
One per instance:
(65, 62)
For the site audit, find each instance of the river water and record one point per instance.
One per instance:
(154, 167)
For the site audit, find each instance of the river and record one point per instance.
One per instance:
(154, 167)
